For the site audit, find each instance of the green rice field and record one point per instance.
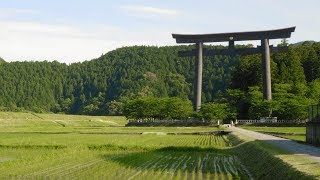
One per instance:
(50, 146)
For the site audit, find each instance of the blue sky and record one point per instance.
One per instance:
(77, 30)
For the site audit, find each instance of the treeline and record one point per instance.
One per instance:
(103, 85)
(100, 86)
(149, 108)
(295, 84)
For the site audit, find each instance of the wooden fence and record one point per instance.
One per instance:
(268, 121)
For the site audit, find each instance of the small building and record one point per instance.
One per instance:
(313, 125)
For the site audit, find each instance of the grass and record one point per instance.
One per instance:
(123, 158)
(293, 133)
(20, 122)
(299, 138)
(34, 146)
(56, 121)
(292, 130)
(156, 141)
(268, 162)
(270, 155)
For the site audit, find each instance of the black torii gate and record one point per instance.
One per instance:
(265, 49)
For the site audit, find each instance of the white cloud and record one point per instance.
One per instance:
(148, 10)
(36, 41)
(55, 30)
(14, 11)
(69, 43)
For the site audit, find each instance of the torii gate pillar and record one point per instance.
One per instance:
(198, 86)
(267, 94)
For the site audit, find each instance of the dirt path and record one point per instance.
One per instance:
(289, 145)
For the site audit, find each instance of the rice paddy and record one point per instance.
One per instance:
(33, 146)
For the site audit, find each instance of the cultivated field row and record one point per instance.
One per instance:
(146, 165)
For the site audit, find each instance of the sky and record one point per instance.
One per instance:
(77, 30)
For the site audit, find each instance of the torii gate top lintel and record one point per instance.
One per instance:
(235, 36)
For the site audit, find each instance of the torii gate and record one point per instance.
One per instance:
(265, 49)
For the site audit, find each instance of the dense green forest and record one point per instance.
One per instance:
(101, 86)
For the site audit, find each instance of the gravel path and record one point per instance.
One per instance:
(289, 145)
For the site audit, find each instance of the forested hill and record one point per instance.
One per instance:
(99, 86)
(2, 60)
(127, 72)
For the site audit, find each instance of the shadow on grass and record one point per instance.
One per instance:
(247, 160)
(186, 161)
(260, 159)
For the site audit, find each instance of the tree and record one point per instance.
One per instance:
(292, 109)
(66, 104)
(284, 42)
(314, 91)
(216, 111)
(176, 108)
(248, 73)
(238, 102)
(2, 61)
(262, 108)
(311, 66)
(115, 108)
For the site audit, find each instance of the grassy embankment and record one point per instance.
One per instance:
(38, 146)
